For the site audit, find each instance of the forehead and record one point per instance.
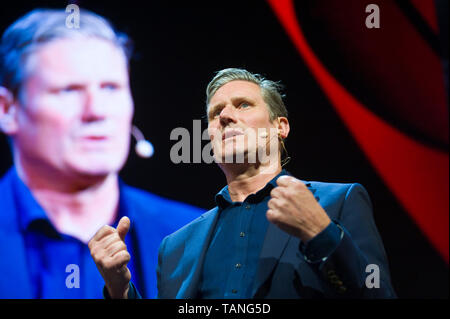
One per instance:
(78, 59)
(236, 89)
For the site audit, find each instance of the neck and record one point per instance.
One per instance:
(245, 179)
(75, 206)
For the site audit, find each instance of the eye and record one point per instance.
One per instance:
(244, 105)
(110, 86)
(215, 112)
(70, 88)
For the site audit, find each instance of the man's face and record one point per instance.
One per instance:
(239, 123)
(76, 107)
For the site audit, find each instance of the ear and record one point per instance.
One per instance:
(8, 112)
(283, 127)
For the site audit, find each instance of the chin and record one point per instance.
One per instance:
(97, 166)
(238, 157)
(94, 171)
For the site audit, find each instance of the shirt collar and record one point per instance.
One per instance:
(223, 198)
(33, 216)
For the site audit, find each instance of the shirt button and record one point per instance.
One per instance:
(247, 206)
(234, 291)
(238, 265)
(242, 234)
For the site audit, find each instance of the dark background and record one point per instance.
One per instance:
(178, 47)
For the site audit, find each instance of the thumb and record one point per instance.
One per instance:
(123, 227)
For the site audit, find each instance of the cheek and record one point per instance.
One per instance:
(123, 108)
(260, 121)
(47, 119)
(256, 118)
(214, 133)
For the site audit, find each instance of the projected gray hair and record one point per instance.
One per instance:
(41, 26)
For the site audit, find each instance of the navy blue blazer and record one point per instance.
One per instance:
(283, 271)
(152, 218)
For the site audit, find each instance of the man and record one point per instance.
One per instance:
(271, 235)
(66, 105)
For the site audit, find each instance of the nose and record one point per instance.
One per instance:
(94, 109)
(227, 115)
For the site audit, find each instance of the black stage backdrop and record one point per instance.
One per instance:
(179, 46)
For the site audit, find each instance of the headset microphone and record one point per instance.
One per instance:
(264, 134)
(143, 147)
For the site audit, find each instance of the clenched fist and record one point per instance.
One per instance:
(294, 209)
(110, 254)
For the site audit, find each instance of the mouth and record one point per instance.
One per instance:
(94, 138)
(230, 133)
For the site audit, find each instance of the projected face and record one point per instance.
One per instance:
(75, 109)
(239, 123)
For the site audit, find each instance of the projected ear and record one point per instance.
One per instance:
(8, 111)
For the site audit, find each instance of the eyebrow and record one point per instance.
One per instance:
(242, 98)
(234, 99)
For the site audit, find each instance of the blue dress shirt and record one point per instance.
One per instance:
(232, 257)
(50, 253)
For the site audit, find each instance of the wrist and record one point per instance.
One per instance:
(118, 293)
(313, 232)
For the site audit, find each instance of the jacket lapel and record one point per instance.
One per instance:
(197, 243)
(275, 243)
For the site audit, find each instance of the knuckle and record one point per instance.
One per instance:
(107, 264)
(95, 253)
(283, 192)
(273, 192)
(292, 192)
(107, 229)
(272, 216)
(300, 185)
(101, 262)
(122, 246)
(116, 236)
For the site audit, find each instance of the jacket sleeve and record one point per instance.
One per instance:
(159, 270)
(358, 267)
(133, 293)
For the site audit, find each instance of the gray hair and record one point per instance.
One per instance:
(270, 90)
(41, 26)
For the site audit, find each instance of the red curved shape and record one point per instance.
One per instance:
(428, 11)
(416, 174)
